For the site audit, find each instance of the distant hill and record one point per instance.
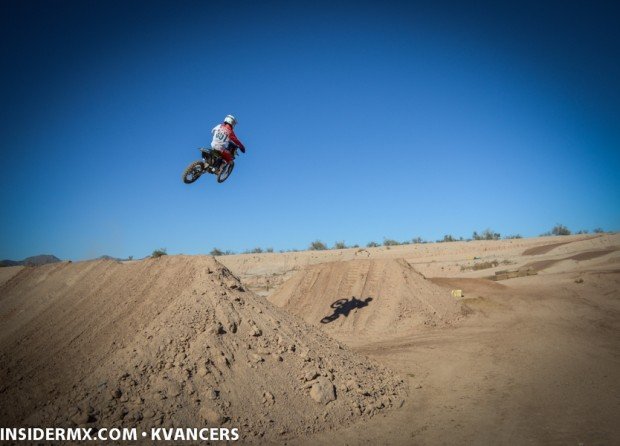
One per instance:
(107, 257)
(41, 259)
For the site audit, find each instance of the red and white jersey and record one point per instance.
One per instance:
(222, 135)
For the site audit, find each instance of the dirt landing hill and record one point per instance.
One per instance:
(367, 296)
(174, 341)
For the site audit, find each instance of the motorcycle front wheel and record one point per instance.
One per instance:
(193, 172)
(225, 173)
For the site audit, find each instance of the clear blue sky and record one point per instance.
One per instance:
(363, 120)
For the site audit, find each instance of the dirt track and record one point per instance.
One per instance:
(173, 342)
(536, 360)
(537, 365)
(526, 360)
(366, 298)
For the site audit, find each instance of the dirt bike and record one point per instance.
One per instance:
(212, 162)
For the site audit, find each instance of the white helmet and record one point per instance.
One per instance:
(230, 119)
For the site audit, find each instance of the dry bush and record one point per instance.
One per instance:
(317, 245)
(560, 230)
(157, 253)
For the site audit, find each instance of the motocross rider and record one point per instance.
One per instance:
(224, 139)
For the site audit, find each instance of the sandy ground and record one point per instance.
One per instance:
(535, 361)
(8, 272)
(173, 342)
(528, 360)
(534, 364)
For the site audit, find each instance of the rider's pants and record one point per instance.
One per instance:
(226, 153)
(226, 156)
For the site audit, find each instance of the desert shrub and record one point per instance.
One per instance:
(598, 231)
(317, 245)
(130, 258)
(355, 246)
(485, 265)
(254, 251)
(509, 237)
(582, 231)
(218, 252)
(340, 245)
(158, 253)
(487, 234)
(447, 238)
(560, 230)
(390, 242)
(372, 244)
(269, 250)
(417, 240)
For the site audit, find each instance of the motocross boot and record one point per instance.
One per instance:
(215, 167)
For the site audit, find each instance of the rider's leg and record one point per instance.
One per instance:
(232, 146)
(226, 156)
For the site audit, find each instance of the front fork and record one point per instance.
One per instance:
(209, 161)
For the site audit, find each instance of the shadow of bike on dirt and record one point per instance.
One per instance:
(342, 307)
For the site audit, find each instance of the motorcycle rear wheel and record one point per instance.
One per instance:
(193, 172)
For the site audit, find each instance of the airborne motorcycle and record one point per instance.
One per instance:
(212, 162)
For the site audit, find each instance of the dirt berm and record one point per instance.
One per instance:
(174, 341)
(366, 297)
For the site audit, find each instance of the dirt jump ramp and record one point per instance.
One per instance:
(173, 342)
(366, 296)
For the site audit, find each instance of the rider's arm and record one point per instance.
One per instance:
(234, 139)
